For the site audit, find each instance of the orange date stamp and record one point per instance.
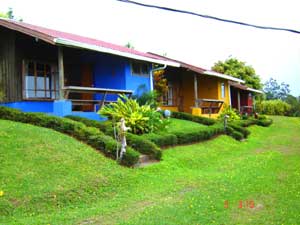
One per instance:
(239, 204)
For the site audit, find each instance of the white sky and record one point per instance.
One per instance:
(192, 39)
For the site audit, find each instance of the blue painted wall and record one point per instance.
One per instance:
(32, 106)
(139, 84)
(114, 72)
(108, 72)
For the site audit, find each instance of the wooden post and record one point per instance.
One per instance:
(196, 90)
(239, 100)
(61, 72)
(229, 95)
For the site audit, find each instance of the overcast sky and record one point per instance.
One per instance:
(192, 39)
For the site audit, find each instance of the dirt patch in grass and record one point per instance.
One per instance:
(125, 213)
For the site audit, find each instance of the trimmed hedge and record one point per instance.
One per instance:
(143, 146)
(237, 135)
(162, 139)
(196, 119)
(192, 136)
(237, 129)
(261, 121)
(240, 129)
(89, 135)
(137, 142)
(103, 125)
(176, 138)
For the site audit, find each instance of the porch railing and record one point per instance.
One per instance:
(92, 90)
(209, 106)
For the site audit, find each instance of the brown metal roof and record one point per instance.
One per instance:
(182, 64)
(237, 85)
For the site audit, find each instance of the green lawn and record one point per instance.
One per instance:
(50, 178)
(183, 125)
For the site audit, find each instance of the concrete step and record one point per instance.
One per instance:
(145, 160)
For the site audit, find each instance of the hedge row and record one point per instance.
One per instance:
(91, 136)
(237, 132)
(196, 119)
(263, 121)
(137, 142)
(103, 125)
(237, 129)
(180, 137)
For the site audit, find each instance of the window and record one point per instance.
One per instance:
(40, 80)
(141, 69)
(222, 90)
(168, 97)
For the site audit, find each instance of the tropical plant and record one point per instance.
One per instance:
(148, 98)
(141, 119)
(230, 112)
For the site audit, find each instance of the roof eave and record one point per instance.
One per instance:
(33, 33)
(71, 43)
(224, 76)
(254, 90)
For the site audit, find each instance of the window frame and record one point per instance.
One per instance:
(223, 90)
(53, 90)
(140, 65)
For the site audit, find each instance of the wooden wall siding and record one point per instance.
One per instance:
(14, 48)
(10, 81)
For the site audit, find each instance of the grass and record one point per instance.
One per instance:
(183, 125)
(51, 178)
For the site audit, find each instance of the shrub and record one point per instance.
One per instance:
(196, 119)
(162, 140)
(295, 105)
(103, 125)
(273, 107)
(237, 135)
(139, 143)
(261, 121)
(240, 129)
(148, 98)
(232, 113)
(264, 122)
(141, 119)
(143, 145)
(184, 137)
(92, 136)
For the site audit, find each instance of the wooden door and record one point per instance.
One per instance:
(87, 81)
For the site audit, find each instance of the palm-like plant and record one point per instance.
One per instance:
(141, 119)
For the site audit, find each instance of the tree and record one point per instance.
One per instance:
(274, 90)
(239, 69)
(129, 45)
(3, 15)
(295, 105)
(9, 15)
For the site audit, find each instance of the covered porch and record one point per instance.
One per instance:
(194, 92)
(67, 81)
(243, 98)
